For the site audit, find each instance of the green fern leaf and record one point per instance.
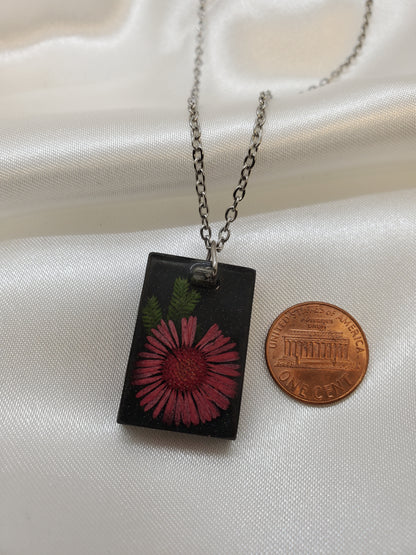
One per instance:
(152, 314)
(183, 302)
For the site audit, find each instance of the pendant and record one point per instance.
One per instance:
(186, 366)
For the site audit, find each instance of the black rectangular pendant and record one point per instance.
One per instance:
(186, 365)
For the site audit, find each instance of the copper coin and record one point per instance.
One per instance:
(316, 352)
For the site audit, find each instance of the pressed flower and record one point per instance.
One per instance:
(186, 383)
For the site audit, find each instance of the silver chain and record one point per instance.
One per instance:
(255, 141)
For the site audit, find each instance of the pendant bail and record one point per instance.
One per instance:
(204, 274)
(212, 256)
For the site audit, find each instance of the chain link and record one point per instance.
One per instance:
(354, 53)
(256, 137)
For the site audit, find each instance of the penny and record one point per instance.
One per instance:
(316, 352)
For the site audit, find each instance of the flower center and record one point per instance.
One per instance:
(185, 368)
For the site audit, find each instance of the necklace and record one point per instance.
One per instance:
(186, 365)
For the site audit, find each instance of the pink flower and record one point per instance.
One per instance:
(188, 383)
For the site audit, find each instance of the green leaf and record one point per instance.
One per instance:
(183, 302)
(152, 314)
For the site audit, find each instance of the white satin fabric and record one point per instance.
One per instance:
(96, 172)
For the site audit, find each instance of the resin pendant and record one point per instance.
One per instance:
(186, 366)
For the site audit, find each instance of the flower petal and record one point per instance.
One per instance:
(214, 395)
(225, 369)
(186, 414)
(231, 356)
(211, 335)
(193, 413)
(157, 345)
(221, 340)
(148, 363)
(184, 325)
(163, 336)
(210, 410)
(150, 400)
(143, 380)
(179, 408)
(162, 402)
(169, 411)
(191, 329)
(155, 350)
(150, 392)
(146, 354)
(232, 366)
(139, 373)
(223, 349)
(174, 333)
(160, 337)
(163, 328)
(214, 412)
(201, 404)
(224, 385)
(145, 390)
